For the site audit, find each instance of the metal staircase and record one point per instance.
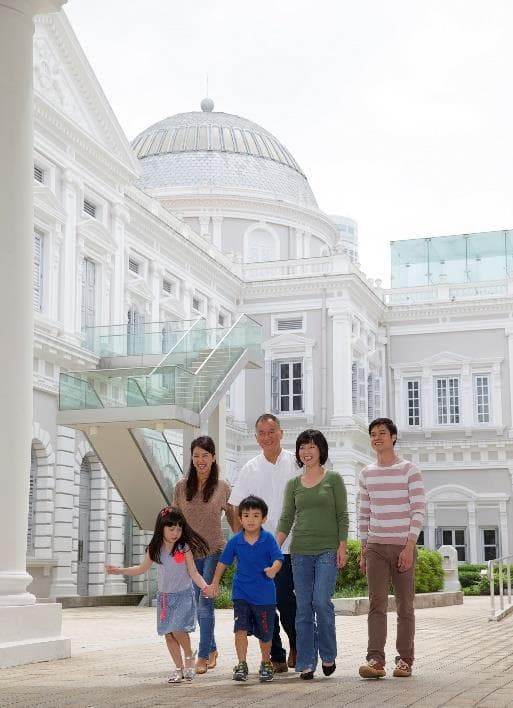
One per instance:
(124, 411)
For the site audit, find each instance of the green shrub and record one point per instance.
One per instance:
(429, 574)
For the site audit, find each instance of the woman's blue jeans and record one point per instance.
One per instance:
(314, 583)
(206, 619)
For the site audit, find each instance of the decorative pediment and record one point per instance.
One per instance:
(92, 230)
(288, 342)
(47, 205)
(172, 305)
(445, 359)
(63, 78)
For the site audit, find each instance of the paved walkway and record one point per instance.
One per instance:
(463, 660)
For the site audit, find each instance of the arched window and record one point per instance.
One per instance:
(32, 503)
(260, 245)
(84, 523)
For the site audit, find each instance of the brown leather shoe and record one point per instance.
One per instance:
(291, 661)
(280, 667)
(201, 665)
(212, 659)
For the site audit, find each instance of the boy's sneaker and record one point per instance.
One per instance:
(402, 669)
(266, 671)
(372, 669)
(240, 672)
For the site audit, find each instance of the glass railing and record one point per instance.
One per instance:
(208, 354)
(136, 339)
(160, 458)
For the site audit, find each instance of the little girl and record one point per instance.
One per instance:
(172, 548)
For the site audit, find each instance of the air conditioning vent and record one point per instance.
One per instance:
(291, 324)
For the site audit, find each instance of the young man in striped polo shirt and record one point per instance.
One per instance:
(391, 516)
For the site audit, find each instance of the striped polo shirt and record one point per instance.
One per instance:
(392, 502)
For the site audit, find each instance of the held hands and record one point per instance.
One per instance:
(210, 591)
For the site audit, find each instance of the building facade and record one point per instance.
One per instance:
(207, 214)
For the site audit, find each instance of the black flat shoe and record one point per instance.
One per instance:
(306, 675)
(328, 670)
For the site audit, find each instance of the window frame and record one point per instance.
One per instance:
(448, 378)
(439, 535)
(418, 382)
(475, 393)
(276, 386)
(41, 270)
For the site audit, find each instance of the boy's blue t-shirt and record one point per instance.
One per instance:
(250, 582)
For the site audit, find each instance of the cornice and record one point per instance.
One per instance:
(400, 313)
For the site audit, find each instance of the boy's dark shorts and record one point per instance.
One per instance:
(254, 619)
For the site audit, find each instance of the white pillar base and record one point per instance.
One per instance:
(32, 633)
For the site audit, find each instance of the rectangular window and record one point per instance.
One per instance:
(168, 286)
(133, 265)
(374, 396)
(39, 174)
(490, 541)
(482, 398)
(413, 402)
(287, 386)
(456, 537)
(90, 208)
(37, 272)
(420, 539)
(196, 303)
(447, 400)
(221, 320)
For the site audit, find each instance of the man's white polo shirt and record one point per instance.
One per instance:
(261, 478)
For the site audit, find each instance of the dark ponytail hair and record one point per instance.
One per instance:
(206, 443)
(172, 516)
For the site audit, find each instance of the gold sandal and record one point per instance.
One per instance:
(201, 665)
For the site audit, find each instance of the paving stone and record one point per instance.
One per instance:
(118, 661)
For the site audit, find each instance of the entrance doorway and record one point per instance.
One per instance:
(84, 523)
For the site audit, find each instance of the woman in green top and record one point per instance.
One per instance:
(315, 504)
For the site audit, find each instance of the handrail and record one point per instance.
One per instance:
(178, 341)
(502, 612)
(219, 343)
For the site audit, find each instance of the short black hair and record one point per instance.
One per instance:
(315, 437)
(388, 423)
(267, 416)
(253, 502)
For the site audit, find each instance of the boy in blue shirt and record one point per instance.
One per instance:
(259, 558)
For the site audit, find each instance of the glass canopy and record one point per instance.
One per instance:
(453, 259)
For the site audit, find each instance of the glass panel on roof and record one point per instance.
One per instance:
(179, 138)
(190, 139)
(252, 146)
(228, 140)
(168, 140)
(156, 142)
(261, 145)
(203, 138)
(143, 150)
(239, 141)
(281, 155)
(272, 150)
(215, 138)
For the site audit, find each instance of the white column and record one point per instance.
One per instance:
(430, 527)
(115, 584)
(472, 532)
(217, 235)
(509, 336)
(120, 217)
(71, 189)
(341, 366)
(217, 431)
(503, 529)
(29, 632)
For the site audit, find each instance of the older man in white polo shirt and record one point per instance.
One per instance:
(265, 476)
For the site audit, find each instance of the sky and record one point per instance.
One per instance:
(398, 111)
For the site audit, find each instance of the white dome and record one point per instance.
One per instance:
(214, 150)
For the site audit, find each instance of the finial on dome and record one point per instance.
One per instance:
(207, 105)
